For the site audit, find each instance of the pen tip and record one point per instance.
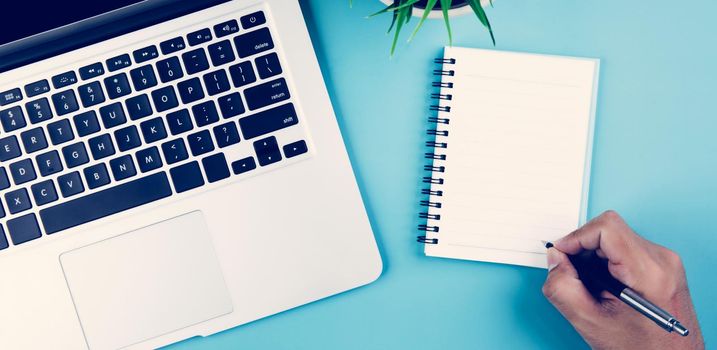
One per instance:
(547, 244)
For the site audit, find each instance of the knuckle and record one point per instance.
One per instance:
(611, 217)
(550, 289)
(673, 259)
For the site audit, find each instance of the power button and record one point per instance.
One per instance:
(253, 20)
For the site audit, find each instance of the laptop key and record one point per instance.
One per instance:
(119, 62)
(253, 19)
(91, 94)
(3, 239)
(149, 159)
(60, 131)
(9, 148)
(200, 143)
(169, 69)
(186, 177)
(242, 74)
(226, 134)
(195, 61)
(86, 123)
(200, 36)
(65, 79)
(4, 180)
(23, 229)
(12, 119)
(106, 202)
(34, 140)
(92, 71)
(75, 155)
(216, 82)
(70, 184)
(174, 151)
(231, 105)
(179, 122)
(216, 168)
(65, 102)
(127, 138)
(117, 86)
(205, 113)
(143, 77)
(153, 130)
(145, 54)
(267, 151)
(294, 149)
(265, 94)
(221, 53)
(226, 28)
(49, 163)
(17, 201)
(22, 171)
(164, 98)
(123, 167)
(37, 88)
(268, 65)
(268, 121)
(96, 176)
(138, 107)
(101, 146)
(243, 165)
(113, 115)
(10, 96)
(38, 111)
(172, 45)
(44, 192)
(253, 42)
(190, 90)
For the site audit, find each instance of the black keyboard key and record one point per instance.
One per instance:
(65, 102)
(23, 229)
(174, 151)
(119, 62)
(101, 146)
(60, 131)
(200, 143)
(75, 155)
(231, 105)
(253, 42)
(172, 45)
(190, 90)
(91, 94)
(9, 148)
(49, 163)
(200, 36)
(117, 86)
(169, 69)
(267, 151)
(226, 134)
(149, 159)
(186, 177)
(268, 65)
(216, 82)
(70, 184)
(22, 171)
(143, 77)
(294, 149)
(2, 211)
(38, 111)
(92, 71)
(18, 201)
(104, 203)
(179, 122)
(145, 54)
(127, 138)
(153, 130)
(3, 239)
(12, 119)
(112, 115)
(123, 167)
(226, 28)
(138, 107)
(37, 88)
(195, 61)
(205, 113)
(216, 167)
(44, 192)
(221, 53)
(86, 123)
(34, 140)
(96, 176)
(165, 98)
(65, 79)
(10, 96)
(252, 20)
(268, 121)
(265, 94)
(4, 180)
(243, 165)
(242, 74)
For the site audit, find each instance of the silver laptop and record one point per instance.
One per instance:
(170, 169)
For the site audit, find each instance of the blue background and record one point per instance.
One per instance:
(655, 161)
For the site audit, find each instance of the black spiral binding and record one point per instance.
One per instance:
(434, 167)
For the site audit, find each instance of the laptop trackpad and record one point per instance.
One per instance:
(146, 283)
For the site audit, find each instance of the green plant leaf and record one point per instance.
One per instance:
(394, 15)
(482, 17)
(393, 7)
(426, 12)
(400, 20)
(445, 6)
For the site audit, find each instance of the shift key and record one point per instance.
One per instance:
(268, 121)
(265, 94)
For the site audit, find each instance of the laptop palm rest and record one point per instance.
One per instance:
(146, 283)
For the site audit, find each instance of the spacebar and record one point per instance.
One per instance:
(110, 201)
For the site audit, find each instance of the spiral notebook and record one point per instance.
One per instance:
(510, 163)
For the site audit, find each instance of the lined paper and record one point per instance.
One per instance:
(518, 156)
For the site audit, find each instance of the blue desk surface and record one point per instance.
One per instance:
(655, 161)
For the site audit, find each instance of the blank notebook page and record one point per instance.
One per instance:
(518, 156)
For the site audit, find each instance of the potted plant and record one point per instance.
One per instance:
(403, 10)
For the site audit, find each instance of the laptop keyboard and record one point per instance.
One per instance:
(144, 125)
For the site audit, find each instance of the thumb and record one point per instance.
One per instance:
(565, 291)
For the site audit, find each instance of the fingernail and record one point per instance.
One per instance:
(553, 259)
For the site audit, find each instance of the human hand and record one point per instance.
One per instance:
(653, 271)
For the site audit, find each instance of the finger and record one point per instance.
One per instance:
(565, 291)
(607, 233)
